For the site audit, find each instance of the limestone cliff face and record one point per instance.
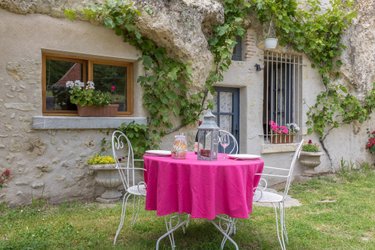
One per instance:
(182, 26)
(359, 57)
(179, 26)
(53, 8)
(51, 164)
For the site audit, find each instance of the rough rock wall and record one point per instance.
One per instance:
(47, 164)
(54, 8)
(21, 85)
(42, 162)
(51, 163)
(359, 57)
(177, 25)
(181, 26)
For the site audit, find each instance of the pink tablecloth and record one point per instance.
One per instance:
(202, 189)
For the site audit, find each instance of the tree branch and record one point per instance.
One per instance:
(321, 140)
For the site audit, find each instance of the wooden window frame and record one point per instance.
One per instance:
(88, 62)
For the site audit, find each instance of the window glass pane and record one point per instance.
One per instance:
(237, 50)
(58, 72)
(226, 122)
(214, 102)
(111, 78)
(225, 102)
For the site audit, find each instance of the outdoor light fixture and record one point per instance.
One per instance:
(257, 67)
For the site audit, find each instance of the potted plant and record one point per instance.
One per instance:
(283, 134)
(89, 101)
(310, 155)
(4, 177)
(293, 129)
(270, 43)
(139, 137)
(370, 145)
(271, 40)
(106, 175)
(104, 165)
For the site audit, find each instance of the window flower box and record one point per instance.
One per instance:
(282, 138)
(98, 111)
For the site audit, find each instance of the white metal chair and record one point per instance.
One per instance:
(261, 195)
(123, 154)
(233, 145)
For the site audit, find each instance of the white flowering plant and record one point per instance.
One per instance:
(293, 128)
(85, 94)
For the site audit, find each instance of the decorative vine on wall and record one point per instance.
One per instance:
(166, 81)
(317, 33)
(311, 30)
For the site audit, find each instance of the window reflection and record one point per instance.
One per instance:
(58, 72)
(110, 78)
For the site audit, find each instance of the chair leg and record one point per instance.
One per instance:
(279, 225)
(184, 227)
(137, 210)
(134, 209)
(169, 226)
(284, 222)
(123, 213)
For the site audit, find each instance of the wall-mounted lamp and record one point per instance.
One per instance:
(257, 67)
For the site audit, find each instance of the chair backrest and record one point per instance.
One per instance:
(291, 169)
(124, 157)
(233, 145)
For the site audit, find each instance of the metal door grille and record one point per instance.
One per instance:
(282, 94)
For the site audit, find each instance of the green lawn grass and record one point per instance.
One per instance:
(337, 213)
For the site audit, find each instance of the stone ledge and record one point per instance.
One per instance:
(76, 122)
(279, 148)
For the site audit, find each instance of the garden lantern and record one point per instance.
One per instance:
(208, 138)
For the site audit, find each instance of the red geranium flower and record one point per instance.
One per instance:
(278, 129)
(370, 144)
(5, 175)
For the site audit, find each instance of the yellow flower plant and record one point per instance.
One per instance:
(100, 159)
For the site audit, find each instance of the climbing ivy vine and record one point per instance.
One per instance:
(308, 29)
(317, 33)
(223, 39)
(165, 82)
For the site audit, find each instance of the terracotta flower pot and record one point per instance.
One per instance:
(98, 111)
(282, 138)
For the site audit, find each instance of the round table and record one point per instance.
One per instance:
(202, 189)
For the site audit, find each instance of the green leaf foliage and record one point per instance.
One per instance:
(139, 137)
(165, 91)
(317, 33)
(89, 97)
(306, 27)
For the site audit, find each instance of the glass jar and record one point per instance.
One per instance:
(179, 148)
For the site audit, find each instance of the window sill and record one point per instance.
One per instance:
(279, 148)
(76, 122)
